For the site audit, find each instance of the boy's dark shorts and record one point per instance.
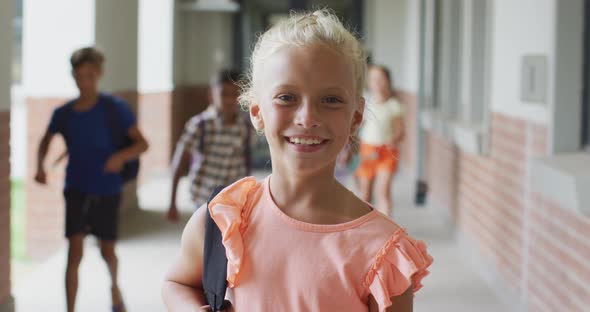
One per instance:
(94, 214)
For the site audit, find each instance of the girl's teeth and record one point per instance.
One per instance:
(305, 141)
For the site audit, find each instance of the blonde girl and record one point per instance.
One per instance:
(299, 240)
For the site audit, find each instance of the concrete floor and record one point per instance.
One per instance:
(148, 243)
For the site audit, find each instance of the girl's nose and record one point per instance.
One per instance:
(307, 115)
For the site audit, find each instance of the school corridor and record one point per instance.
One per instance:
(496, 103)
(149, 243)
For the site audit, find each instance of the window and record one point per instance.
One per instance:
(459, 69)
(440, 64)
(430, 20)
(455, 82)
(473, 101)
(448, 57)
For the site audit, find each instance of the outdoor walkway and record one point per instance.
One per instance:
(149, 243)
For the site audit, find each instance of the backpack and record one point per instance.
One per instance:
(247, 156)
(214, 263)
(118, 135)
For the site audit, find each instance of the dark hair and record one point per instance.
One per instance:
(387, 73)
(85, 55)
(225, 76)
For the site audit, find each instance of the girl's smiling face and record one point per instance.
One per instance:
(307, 105)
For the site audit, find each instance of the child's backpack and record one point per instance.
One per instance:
(118, 135)
(214, 263)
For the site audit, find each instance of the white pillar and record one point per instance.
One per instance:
(155, 84)
(52, 30)
(155, 45)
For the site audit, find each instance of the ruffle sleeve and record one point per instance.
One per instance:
(401, 263)
(230, 210)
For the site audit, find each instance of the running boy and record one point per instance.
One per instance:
(93, 182)
(215, 144)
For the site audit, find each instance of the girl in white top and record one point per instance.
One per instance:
(381, 135)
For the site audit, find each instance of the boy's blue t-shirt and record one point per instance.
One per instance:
(90, 145)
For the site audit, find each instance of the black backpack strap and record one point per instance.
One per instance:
(120, 138)
(113, 123)
(214, 263)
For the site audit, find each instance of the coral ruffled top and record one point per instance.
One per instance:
(277, 263)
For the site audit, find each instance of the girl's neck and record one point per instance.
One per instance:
(299, 195)
(314, 198)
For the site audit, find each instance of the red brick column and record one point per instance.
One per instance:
(6, 301)
(187, 101)
(155, 121)
(44, 218)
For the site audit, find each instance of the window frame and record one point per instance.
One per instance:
(458, 80)
(585, 105)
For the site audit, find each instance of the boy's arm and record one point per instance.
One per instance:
(140, 145)
(182, 289)
(401, 303)
(189, 141)
(40, 175)
(180, 164)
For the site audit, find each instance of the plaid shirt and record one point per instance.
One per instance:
(222, 159)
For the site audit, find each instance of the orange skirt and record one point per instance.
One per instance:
(376, 158)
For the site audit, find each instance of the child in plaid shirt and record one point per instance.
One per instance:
(215, 144)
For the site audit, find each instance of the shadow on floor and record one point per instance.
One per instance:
(146, 223)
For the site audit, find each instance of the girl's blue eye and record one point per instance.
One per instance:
(332, 100)
(286, 97)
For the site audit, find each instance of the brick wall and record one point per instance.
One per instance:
(162, 117)
(131, 97)
(4, 207)
(491, 198)
(559, 270)
(539, 250)
(155, 121)
(187, 101)
(442, 173)
(44, 216)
